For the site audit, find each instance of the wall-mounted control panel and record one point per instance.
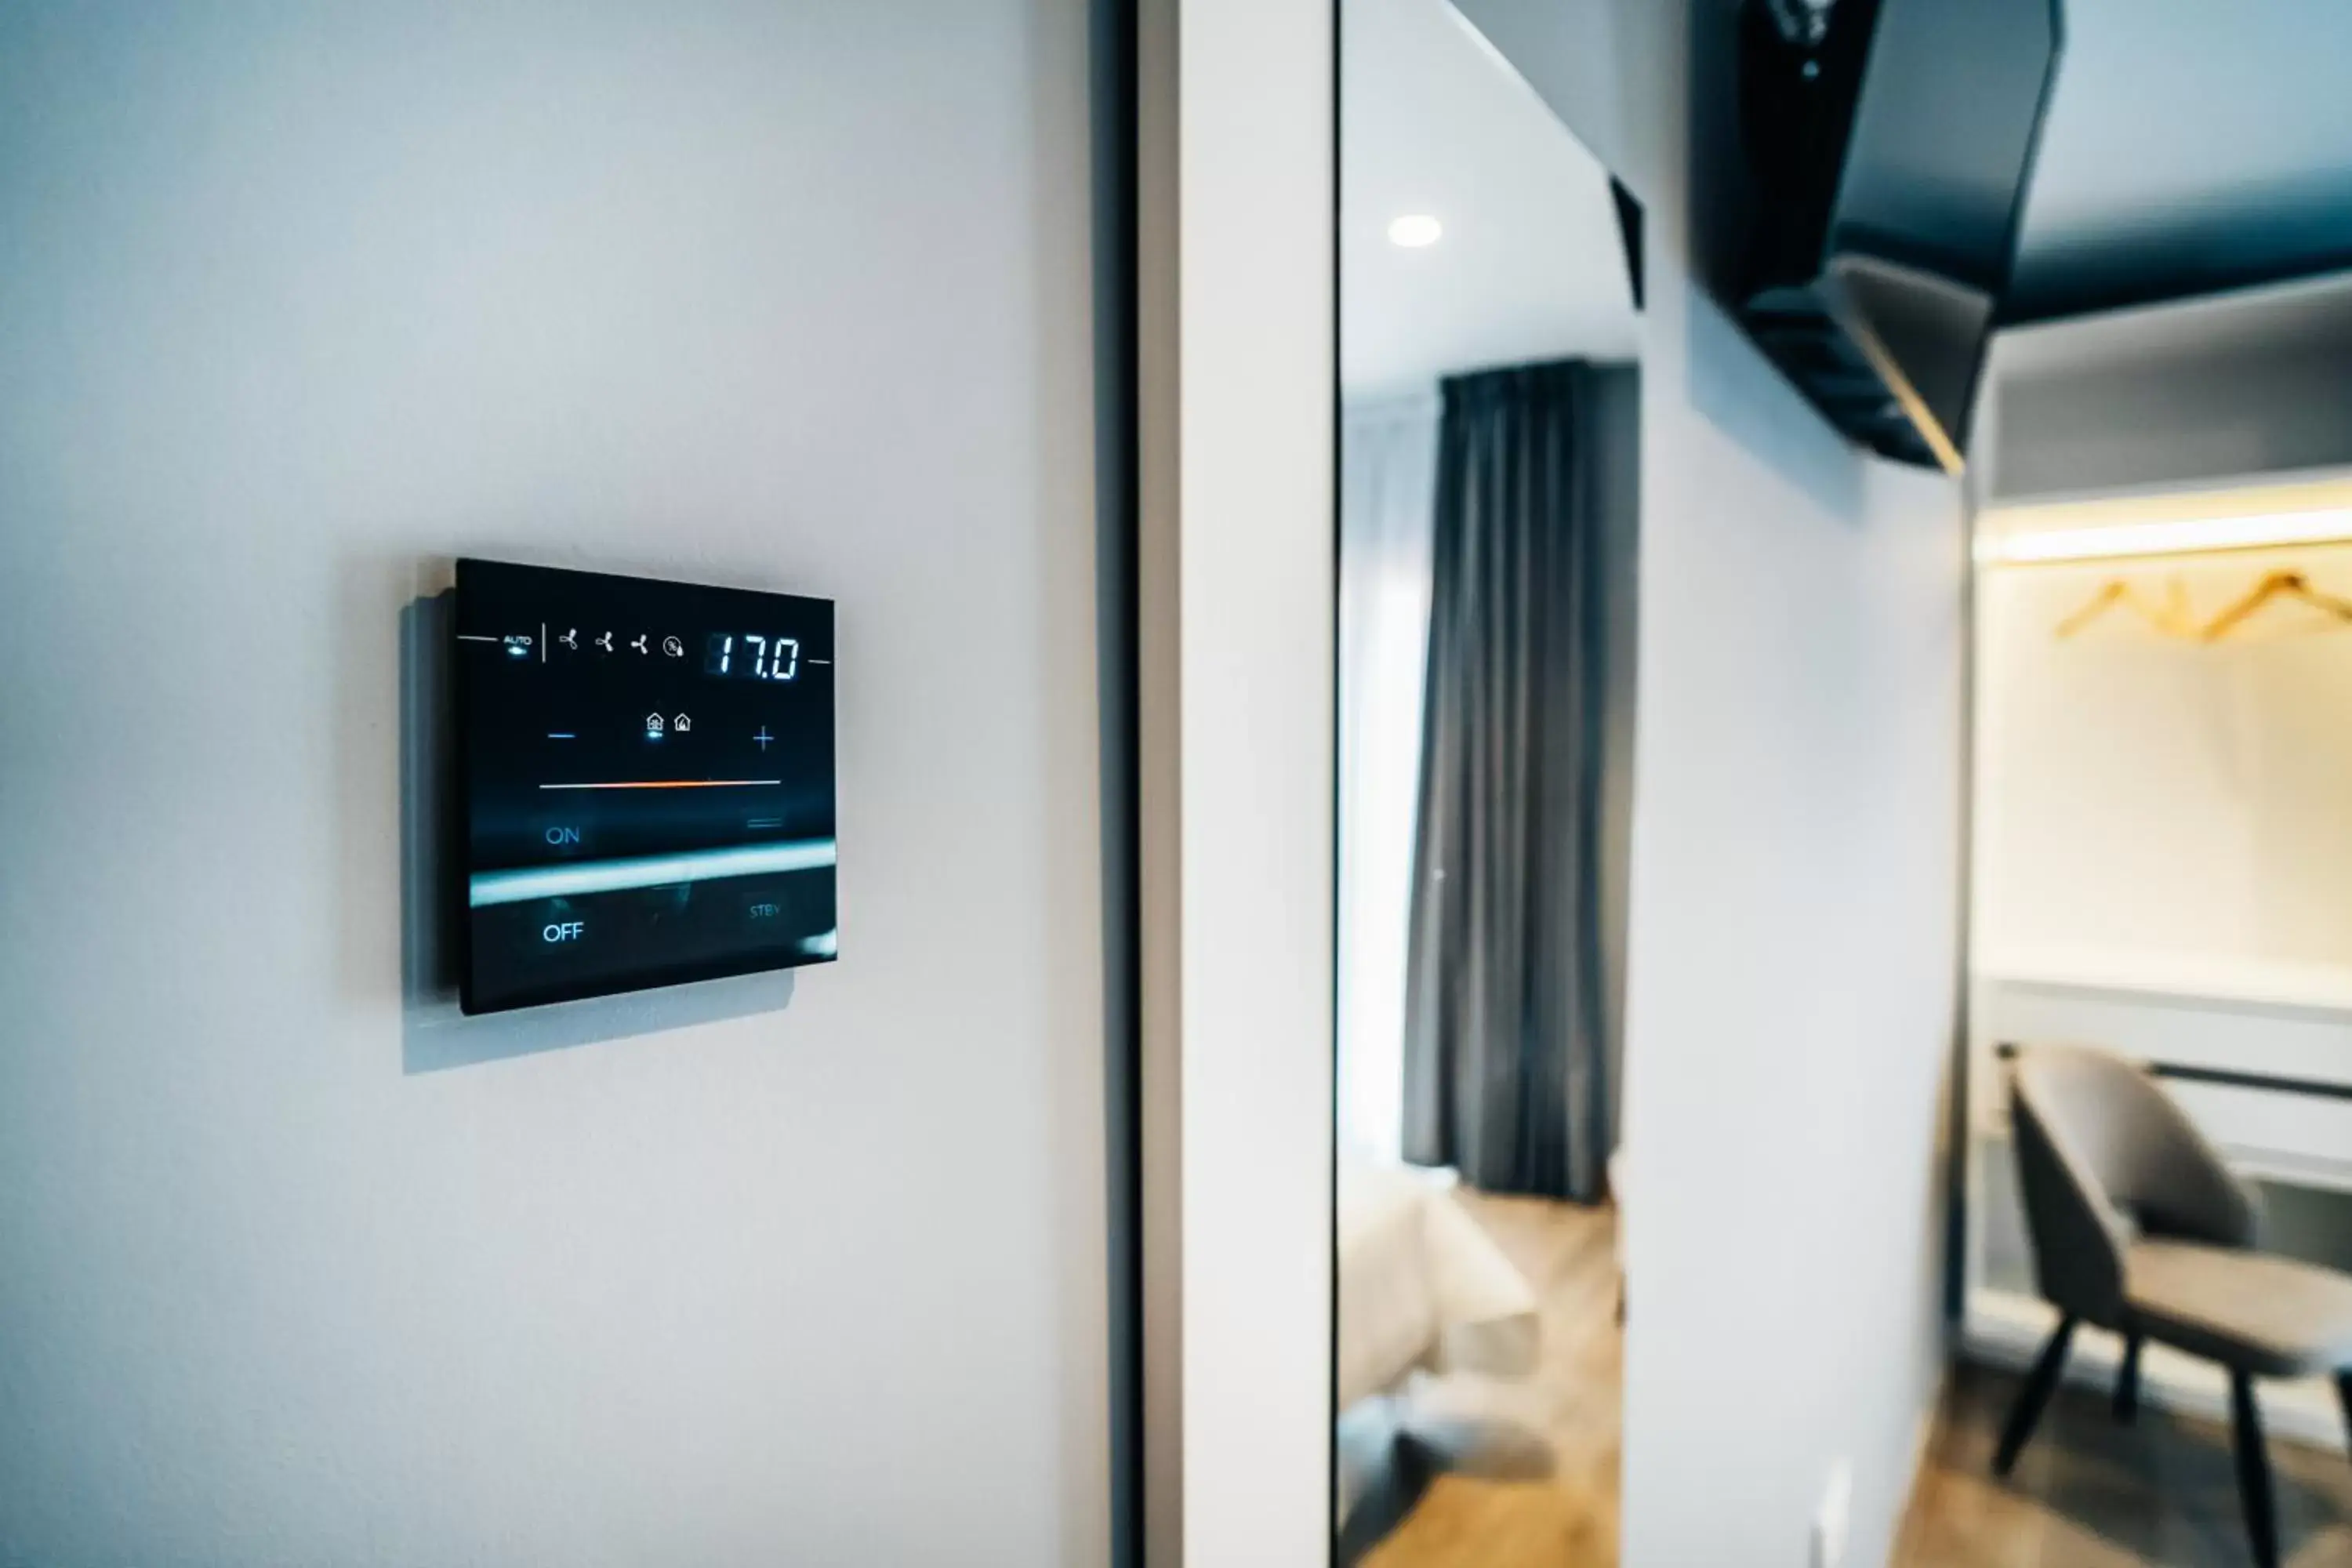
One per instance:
(647, 783)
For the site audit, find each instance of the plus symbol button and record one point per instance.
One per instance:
(763, 737)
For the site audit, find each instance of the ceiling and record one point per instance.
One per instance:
(2191, 146)
(1530, 266)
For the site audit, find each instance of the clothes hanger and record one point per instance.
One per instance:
(2275, 585)
(2171, 616)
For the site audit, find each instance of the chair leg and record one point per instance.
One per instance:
(2344, 1397)
(2039, 1383)
(2128, 1382)
(2253, 1469)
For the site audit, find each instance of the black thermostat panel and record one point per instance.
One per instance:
(647, 783)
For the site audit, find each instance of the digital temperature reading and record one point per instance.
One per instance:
(750, 655)
(630, 821)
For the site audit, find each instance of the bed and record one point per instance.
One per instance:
(1422, 1287)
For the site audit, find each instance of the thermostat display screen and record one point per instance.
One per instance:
(646, 779)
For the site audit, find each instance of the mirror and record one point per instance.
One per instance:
(1490, 333)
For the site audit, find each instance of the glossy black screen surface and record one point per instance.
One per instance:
(647, 780)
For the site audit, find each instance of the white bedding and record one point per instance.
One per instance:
(1421, 1287)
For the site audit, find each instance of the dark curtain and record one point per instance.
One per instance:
(1506, 1055)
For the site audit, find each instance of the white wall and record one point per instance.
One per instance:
(1576, 54)
(301, 301)
(1791, 977)
(1795, 899)
(2160, 800)
(1794, 911)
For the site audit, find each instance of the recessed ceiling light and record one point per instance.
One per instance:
(1414, 230)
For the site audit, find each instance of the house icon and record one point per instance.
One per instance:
(653, 723)
(683, 724)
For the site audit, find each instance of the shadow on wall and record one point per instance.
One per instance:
(1744, 395)
(435, 1033)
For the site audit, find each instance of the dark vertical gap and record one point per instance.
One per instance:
(1629, 234)
(1113, 90)
(1338, 475)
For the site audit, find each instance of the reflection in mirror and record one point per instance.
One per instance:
(1489, 332)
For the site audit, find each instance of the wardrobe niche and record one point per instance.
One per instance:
(2161, 822)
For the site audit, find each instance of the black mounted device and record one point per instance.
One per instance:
(1887, 145)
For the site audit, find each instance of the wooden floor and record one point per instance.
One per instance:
(1567, 1519)
(2088, 1493)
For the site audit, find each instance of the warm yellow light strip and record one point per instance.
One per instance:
(2170, 537)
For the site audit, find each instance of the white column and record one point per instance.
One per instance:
(1236, 727)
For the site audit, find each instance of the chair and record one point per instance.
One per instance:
(2138, 1228)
